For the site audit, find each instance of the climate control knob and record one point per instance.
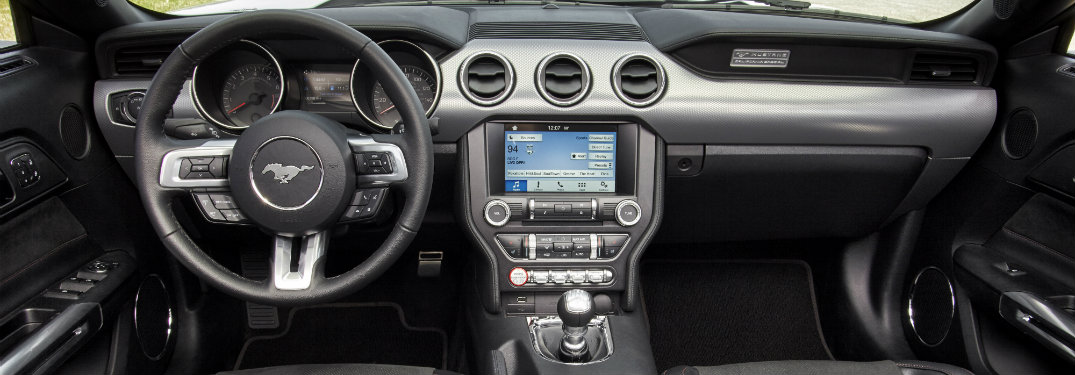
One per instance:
(628, 213)
(497, 213)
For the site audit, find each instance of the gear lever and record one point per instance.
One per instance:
(576, 309)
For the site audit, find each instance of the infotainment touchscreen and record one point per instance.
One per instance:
(550, 158)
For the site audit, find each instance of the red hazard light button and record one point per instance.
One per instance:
(518, 276)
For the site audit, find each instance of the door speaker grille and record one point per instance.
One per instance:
(1004, 8)
(74, 132)
(1020, 132)
(931, 306)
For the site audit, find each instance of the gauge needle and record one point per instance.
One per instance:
(387, 109)
(237, 108)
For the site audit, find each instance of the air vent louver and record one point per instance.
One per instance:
(563, 79)
(11, 66)
(940, 68)
(141, 60)
(486, 78)
(638, 80)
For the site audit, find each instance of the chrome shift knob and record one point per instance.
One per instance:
(576, 309)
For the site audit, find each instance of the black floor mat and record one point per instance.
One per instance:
(712, 313)
(347, 333)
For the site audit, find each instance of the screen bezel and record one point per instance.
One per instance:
(626, 156)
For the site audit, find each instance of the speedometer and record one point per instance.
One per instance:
(424, 85)
(250, 93)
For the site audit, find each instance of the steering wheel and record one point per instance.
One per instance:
(320, 169)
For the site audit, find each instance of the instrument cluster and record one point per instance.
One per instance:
(246, 81)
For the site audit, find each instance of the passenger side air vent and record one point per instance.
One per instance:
(141, 60)
(942, 68)
(10, 66)
(486, 78)
(638, 80)
(556, 30)
(563, 79)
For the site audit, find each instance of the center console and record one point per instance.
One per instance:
(558, 206)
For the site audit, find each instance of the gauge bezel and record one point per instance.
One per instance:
(362, 108)
(227, 123)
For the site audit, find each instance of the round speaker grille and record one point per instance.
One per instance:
(153, 317)
(1020, 133)
(74, 132)
(1004, 8)
(931, 306)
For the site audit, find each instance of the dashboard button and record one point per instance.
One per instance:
(561, 246)
(628, 213)
(518, 276)
(513, 244)
(541, 277)
(559, 277)
(497, 213)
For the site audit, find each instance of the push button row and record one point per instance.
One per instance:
(562, 246)
(519, 276)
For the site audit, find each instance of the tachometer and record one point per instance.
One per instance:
(420, 68)
(425, 85)
(250, 93)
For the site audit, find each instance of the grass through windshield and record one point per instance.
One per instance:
(165, 6)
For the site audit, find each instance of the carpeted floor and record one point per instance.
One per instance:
(720, 312)
(348, 333)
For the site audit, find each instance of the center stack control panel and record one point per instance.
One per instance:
(560, 205)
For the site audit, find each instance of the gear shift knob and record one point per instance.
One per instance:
(576, 309)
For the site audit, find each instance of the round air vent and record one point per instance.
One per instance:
(1020, 132)
(563, 79)
(931, 306)
(638, 80)
(486, 78)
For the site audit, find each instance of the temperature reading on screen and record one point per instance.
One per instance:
(560, 158)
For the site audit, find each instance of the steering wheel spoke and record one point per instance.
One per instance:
(203, 164)
(379, 162)
(297, 261)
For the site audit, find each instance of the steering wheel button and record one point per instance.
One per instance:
(223, 201)
(218, 167)
(377, 170)
(184, 168)
(233, 216)
(199, 168)
(203, 160)
(374, 156)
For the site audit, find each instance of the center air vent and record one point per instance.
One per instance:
(638, 80)
(944, 68)
(486, 78)
(141, 60)
(563, 79)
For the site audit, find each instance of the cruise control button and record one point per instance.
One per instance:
(518, 276)
(223, 201)
(233, 216)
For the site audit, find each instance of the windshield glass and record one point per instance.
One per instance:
(903, 11)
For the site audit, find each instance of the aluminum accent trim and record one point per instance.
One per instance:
(310, 252)
(617, 82)
(509, 78)
(539, 80)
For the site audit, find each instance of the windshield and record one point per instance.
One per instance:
(900, 11)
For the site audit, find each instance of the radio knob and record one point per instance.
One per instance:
(628, 213)
(497, 213)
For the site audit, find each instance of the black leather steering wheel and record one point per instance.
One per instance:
(315, 155)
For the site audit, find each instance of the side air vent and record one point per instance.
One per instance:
(486, 78)
(141, 60)
(563, 79)
(941, 68)
(638, 80)
(13, 65)
(556, 30)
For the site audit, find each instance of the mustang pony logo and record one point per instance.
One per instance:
(284, 173)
